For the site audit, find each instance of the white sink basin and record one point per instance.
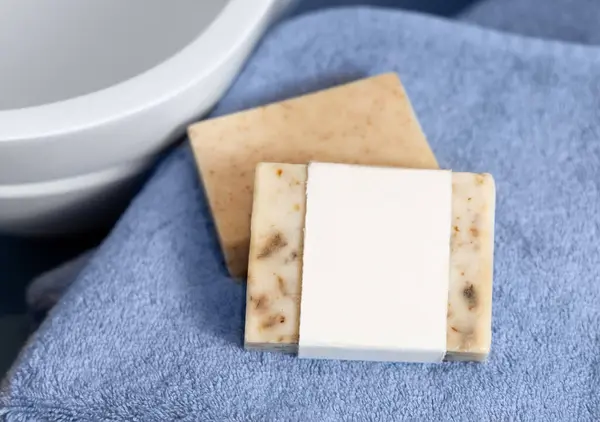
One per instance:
(91, 91)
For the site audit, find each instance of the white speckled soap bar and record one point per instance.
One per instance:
(275, 262)
(275, 268)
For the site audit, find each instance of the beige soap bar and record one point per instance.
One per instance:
(367, 122)
(275, 265)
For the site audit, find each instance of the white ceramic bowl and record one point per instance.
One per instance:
(91, 91)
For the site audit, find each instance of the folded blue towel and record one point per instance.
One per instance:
(567, 20)
(152, 328)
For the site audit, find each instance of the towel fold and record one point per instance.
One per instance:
(568, 20)
(46, 289)
(152, 328)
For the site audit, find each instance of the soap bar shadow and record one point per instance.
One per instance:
(436, 7)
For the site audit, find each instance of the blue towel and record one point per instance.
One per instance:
(567, 20)
(152, 328)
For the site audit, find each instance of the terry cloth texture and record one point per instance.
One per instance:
(567, 20)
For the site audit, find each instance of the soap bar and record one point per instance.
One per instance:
(276, 250)
(369, 122)
(375, 240)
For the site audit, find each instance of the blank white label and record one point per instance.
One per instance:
(375, 264)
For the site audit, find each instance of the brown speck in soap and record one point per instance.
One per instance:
(470, 295)
(261, 303)
(467, 334)
(280, 339)
(296, 207)
(469, 199)
(273, 320)
(474, 232)
(479, 179)
(279, 172)
(281, 285)
(456, 229)
(269, 322)
(293, 256)
(274, 243)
